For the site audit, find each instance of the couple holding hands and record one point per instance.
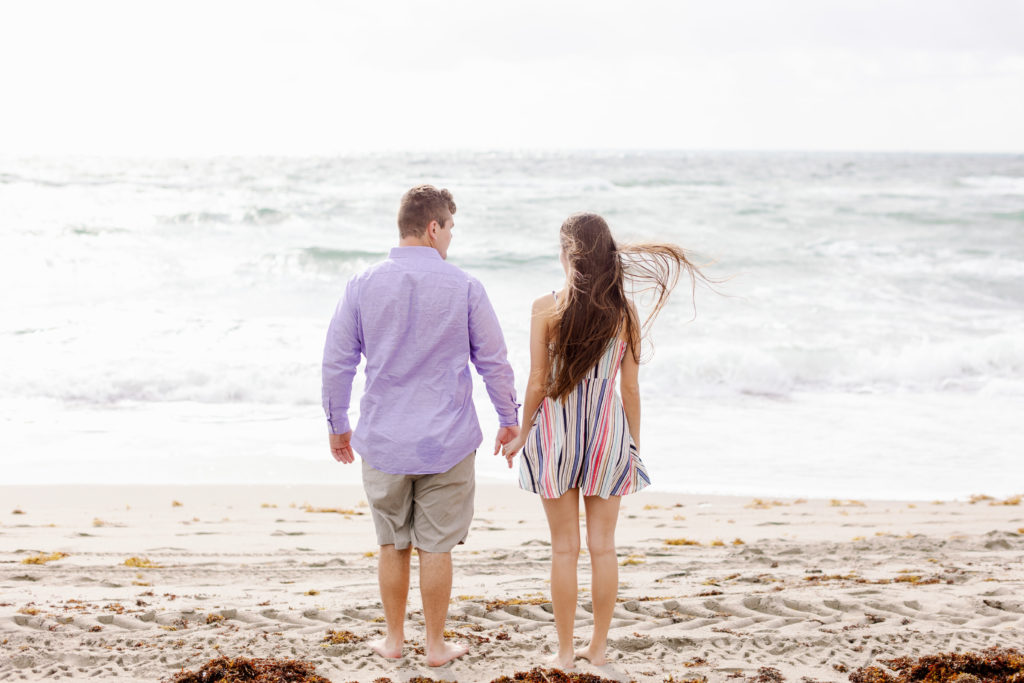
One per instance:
(419, 321)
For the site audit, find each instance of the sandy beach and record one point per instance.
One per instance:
(134, 583)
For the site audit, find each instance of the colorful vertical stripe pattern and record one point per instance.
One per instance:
(583, 441)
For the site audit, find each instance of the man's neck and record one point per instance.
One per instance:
(420, 241)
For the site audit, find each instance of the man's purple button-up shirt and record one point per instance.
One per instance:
(419, 321)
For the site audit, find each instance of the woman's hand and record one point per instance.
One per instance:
(510, 449)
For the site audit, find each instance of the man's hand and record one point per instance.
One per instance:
(341, 447)
(505, 434)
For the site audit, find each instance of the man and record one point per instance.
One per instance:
(419, 322)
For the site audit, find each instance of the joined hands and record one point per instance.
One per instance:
(506, 437)
(511, 446)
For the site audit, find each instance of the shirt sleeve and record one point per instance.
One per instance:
(342, 352)
(488, 353)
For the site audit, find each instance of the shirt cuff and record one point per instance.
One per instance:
(510, 419)
(338, 424)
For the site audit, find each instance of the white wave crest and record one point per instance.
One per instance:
(995, 184)
(994, 364)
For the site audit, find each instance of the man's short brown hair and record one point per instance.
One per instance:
(421, 205)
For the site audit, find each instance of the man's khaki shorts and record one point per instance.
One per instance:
(430, 511)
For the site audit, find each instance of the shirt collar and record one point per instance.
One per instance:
(414, 252)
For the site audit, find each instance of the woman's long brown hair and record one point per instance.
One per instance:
(597, 306)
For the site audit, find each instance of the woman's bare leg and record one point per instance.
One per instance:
(602, 514)
(563, 515)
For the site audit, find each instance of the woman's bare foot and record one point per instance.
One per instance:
(595, 658)
(385, 648)
(563, 662)
(446, 653)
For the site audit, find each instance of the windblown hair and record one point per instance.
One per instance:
(602, 275)
(421, 205)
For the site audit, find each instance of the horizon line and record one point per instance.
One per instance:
(501, 150)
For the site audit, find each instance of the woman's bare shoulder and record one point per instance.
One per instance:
(544, 304)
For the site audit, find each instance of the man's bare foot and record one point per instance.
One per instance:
(563, 662)
(446, 653)
(595, 658)
(386, 648)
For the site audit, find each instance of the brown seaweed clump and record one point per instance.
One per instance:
(991, 665)
(341, 638)
(492, 605)
(767, 674)
(244, 669)
(539, 675)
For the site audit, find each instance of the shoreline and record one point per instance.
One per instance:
(878, 446)
(709, 585)
(489, 484)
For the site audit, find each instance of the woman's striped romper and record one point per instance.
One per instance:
(583, 441)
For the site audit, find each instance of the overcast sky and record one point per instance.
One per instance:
(303, 77)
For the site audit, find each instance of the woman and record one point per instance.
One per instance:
(578, 438)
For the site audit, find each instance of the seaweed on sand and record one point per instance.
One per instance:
(681, 541)
(479, 640)
(991, 665)
(492, 605)
(239, 669)
(758, 504)
(43, 558)
(539, 675)
(767, 674)
(338, 511)
(141, 563)
(333, 637)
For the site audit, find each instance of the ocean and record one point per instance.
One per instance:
(163, 319)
